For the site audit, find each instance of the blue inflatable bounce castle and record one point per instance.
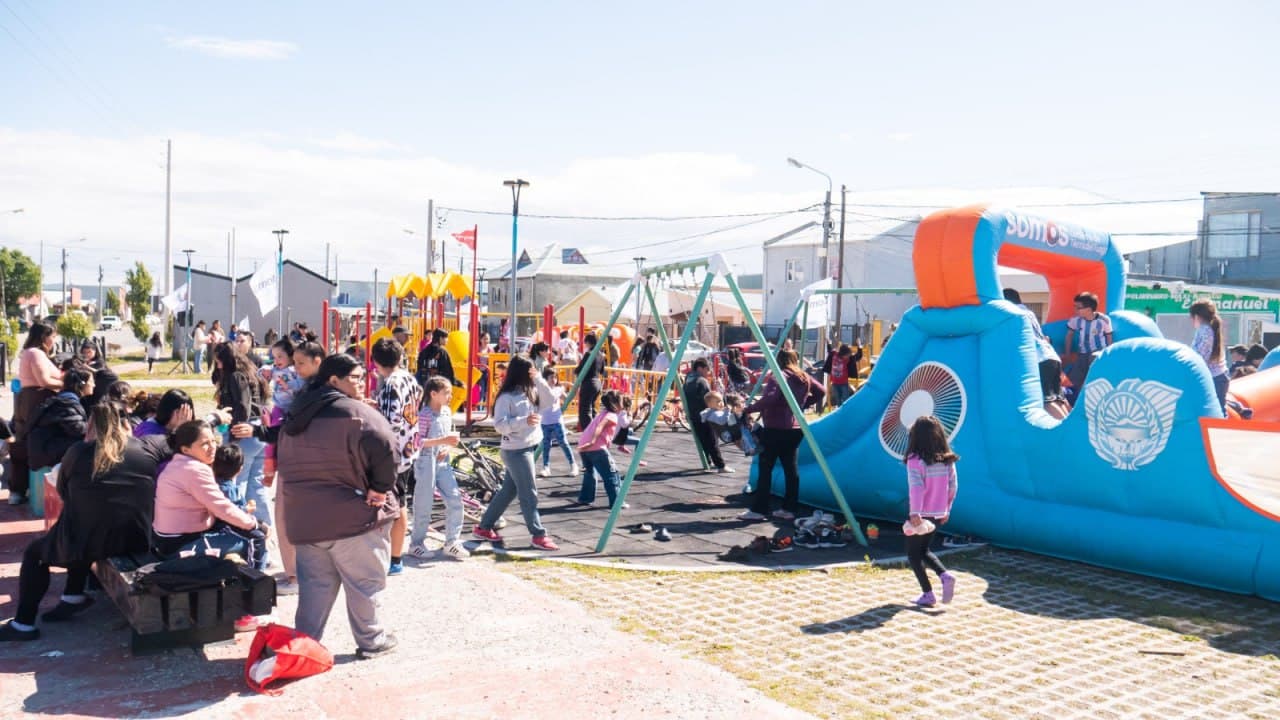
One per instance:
(1144, 475)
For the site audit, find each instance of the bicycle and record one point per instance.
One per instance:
(477, 473)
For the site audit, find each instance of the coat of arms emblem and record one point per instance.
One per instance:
(1129, 424)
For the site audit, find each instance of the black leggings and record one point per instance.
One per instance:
(778, 445)
(33, 581)
(919, 555)
(587, 395)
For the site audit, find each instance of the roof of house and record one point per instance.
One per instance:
(550, 261)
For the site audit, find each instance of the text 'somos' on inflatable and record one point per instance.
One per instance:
(1144, 475)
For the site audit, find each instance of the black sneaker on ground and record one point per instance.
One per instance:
(386, 648)
(64, 610)
(9, 633)
(806, 538)
(829, 538)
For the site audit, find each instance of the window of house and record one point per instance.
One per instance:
(519, 294)
(1234, 235)
(496, 293)
(794, 271)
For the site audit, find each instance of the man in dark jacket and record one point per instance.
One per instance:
(592, 380)
(434, 360)
(61, 421)
(696, 387)
(339, 456)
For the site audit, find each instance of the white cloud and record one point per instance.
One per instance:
(241, 49)
(350, 142)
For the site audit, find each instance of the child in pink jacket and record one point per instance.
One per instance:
(931, 486)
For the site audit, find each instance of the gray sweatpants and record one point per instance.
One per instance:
(517, 481)
(357, 565)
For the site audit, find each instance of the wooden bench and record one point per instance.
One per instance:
(187, 618)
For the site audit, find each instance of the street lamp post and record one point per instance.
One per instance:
(515, 185)
(826, 236)
(280, 280)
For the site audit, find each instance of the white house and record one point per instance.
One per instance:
(877, 254)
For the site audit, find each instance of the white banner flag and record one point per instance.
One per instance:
(175, 301)
(817, 316)
(265, 283)
(244, 324)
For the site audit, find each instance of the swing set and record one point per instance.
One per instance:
(713, 266)
(802, 313)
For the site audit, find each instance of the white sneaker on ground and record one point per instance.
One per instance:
(545, 471)
(287, 587)
(749, 515)
(574, 470)
(421, 552)
(456, 551)
(726, 469)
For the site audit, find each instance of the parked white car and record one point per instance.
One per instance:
(111, 322)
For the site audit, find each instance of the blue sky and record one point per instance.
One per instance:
(339, 122)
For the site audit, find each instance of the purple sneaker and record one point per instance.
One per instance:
(948, 587)
(926, 600)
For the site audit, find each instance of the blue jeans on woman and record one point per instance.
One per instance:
(518, 480)
(555, 433)
(249, 481)
(1220, 383)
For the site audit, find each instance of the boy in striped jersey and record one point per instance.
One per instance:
(1091, 332)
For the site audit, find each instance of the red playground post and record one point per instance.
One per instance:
(324, 320)
(582, 326)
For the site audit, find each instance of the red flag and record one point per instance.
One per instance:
(466, 237)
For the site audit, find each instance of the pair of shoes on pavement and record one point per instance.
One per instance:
(387, 647)
(64, 610)
(541, 542)
(929, 600)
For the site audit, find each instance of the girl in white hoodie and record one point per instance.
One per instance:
(515, 416)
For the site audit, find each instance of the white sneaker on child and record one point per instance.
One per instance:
(545, 471)
(574, 469)
(421, 552)
(456, 551)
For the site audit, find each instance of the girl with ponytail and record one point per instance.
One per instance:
(1208, 342)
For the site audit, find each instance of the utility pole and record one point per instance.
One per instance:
(231, 270)
(65, 301)
(639, 268)
(100, 298)
(190, 310)
(326, 261)
(844, 196)
(431, 237)
(168, 245)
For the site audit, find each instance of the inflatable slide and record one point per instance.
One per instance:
(1144, 475)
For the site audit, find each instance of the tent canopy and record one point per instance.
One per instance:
(433, 286)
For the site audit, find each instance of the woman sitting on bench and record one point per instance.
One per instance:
(193, 516)
(107, 487)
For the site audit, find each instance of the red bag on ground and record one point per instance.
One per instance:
(280, 653)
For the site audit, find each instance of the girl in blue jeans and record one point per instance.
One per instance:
(550, 400)
(593, 446)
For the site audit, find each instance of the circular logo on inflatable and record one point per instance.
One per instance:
(931, 389)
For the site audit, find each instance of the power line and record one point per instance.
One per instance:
(653, 218)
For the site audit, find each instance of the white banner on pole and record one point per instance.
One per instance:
(817, 316)
(176, 301)
(265, 283)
